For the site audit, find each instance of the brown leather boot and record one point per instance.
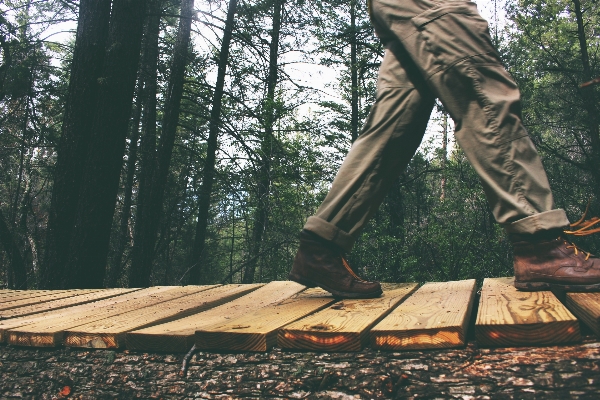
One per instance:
(321, 263)
(548, 261)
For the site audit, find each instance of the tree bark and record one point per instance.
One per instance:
(88, 57)
(17, 271)
(353, 71)
(211, 152)
(140, 272)
(589, 100)
(264, 181)
(149, 76)
(86, 266)
(114, 272)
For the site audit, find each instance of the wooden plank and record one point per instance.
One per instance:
(509, 317)
(111, 332)
(345, 325)
(257, 331)
(435, 316)
(62, 303)
(586, 307)
(50, 296)
(11, 295)
(49, 331)
(74, 312)
(178, 336)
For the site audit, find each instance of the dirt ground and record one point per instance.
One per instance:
(553, 372)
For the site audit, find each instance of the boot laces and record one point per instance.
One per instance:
(577, 249)
(582, 227)
(349, 269)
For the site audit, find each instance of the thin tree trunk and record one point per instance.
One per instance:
(211, 152)
(353, 71)
(115, 270)
(444, 153)
(89, 244)
(264, 181)
(88, 57)
(145, 213)
(140, 276)
(17, 271)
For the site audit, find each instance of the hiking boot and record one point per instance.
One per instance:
(321, 263)
(543, 263)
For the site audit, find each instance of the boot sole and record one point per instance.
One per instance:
(335, 293)
(537, 286)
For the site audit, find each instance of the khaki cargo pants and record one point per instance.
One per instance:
(439, 49)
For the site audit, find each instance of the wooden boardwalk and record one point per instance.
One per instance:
(258, 317)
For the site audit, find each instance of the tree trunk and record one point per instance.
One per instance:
(211, 152)
(444, 153)
(90, 239)
(88, 56)
(264, 181)
(140, 273)
(144, 210)
(114, 272)
(353, 71)
(589, 100)
(17, 271)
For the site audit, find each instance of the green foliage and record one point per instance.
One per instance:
(420, 233)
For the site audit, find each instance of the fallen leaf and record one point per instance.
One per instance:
(65, 391)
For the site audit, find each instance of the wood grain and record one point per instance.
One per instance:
(345, 325)
(44, 297)
(435, 316)
(111, 332)
(62, 303)
(178, 336)
(510, 317)
(586, 307)
(11, 295)
(257, 331)
(49, 331)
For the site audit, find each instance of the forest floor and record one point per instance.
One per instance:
(552, 372)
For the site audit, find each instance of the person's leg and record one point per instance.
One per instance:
(451, 45)
(389, 139)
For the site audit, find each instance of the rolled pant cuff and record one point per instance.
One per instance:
(330, 232)
(547, 220)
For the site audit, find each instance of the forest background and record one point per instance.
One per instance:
(170, 142)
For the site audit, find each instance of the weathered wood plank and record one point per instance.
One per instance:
(257, 331)
(62, 303)
(50, 296)
(72, 313)
(178, 336)
(49, 332)
(586, 307)
(509, 317)
(111, 332)
(345, 325)
(435, 316)
(11, 295)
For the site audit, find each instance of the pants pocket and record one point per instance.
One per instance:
(448, 34)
